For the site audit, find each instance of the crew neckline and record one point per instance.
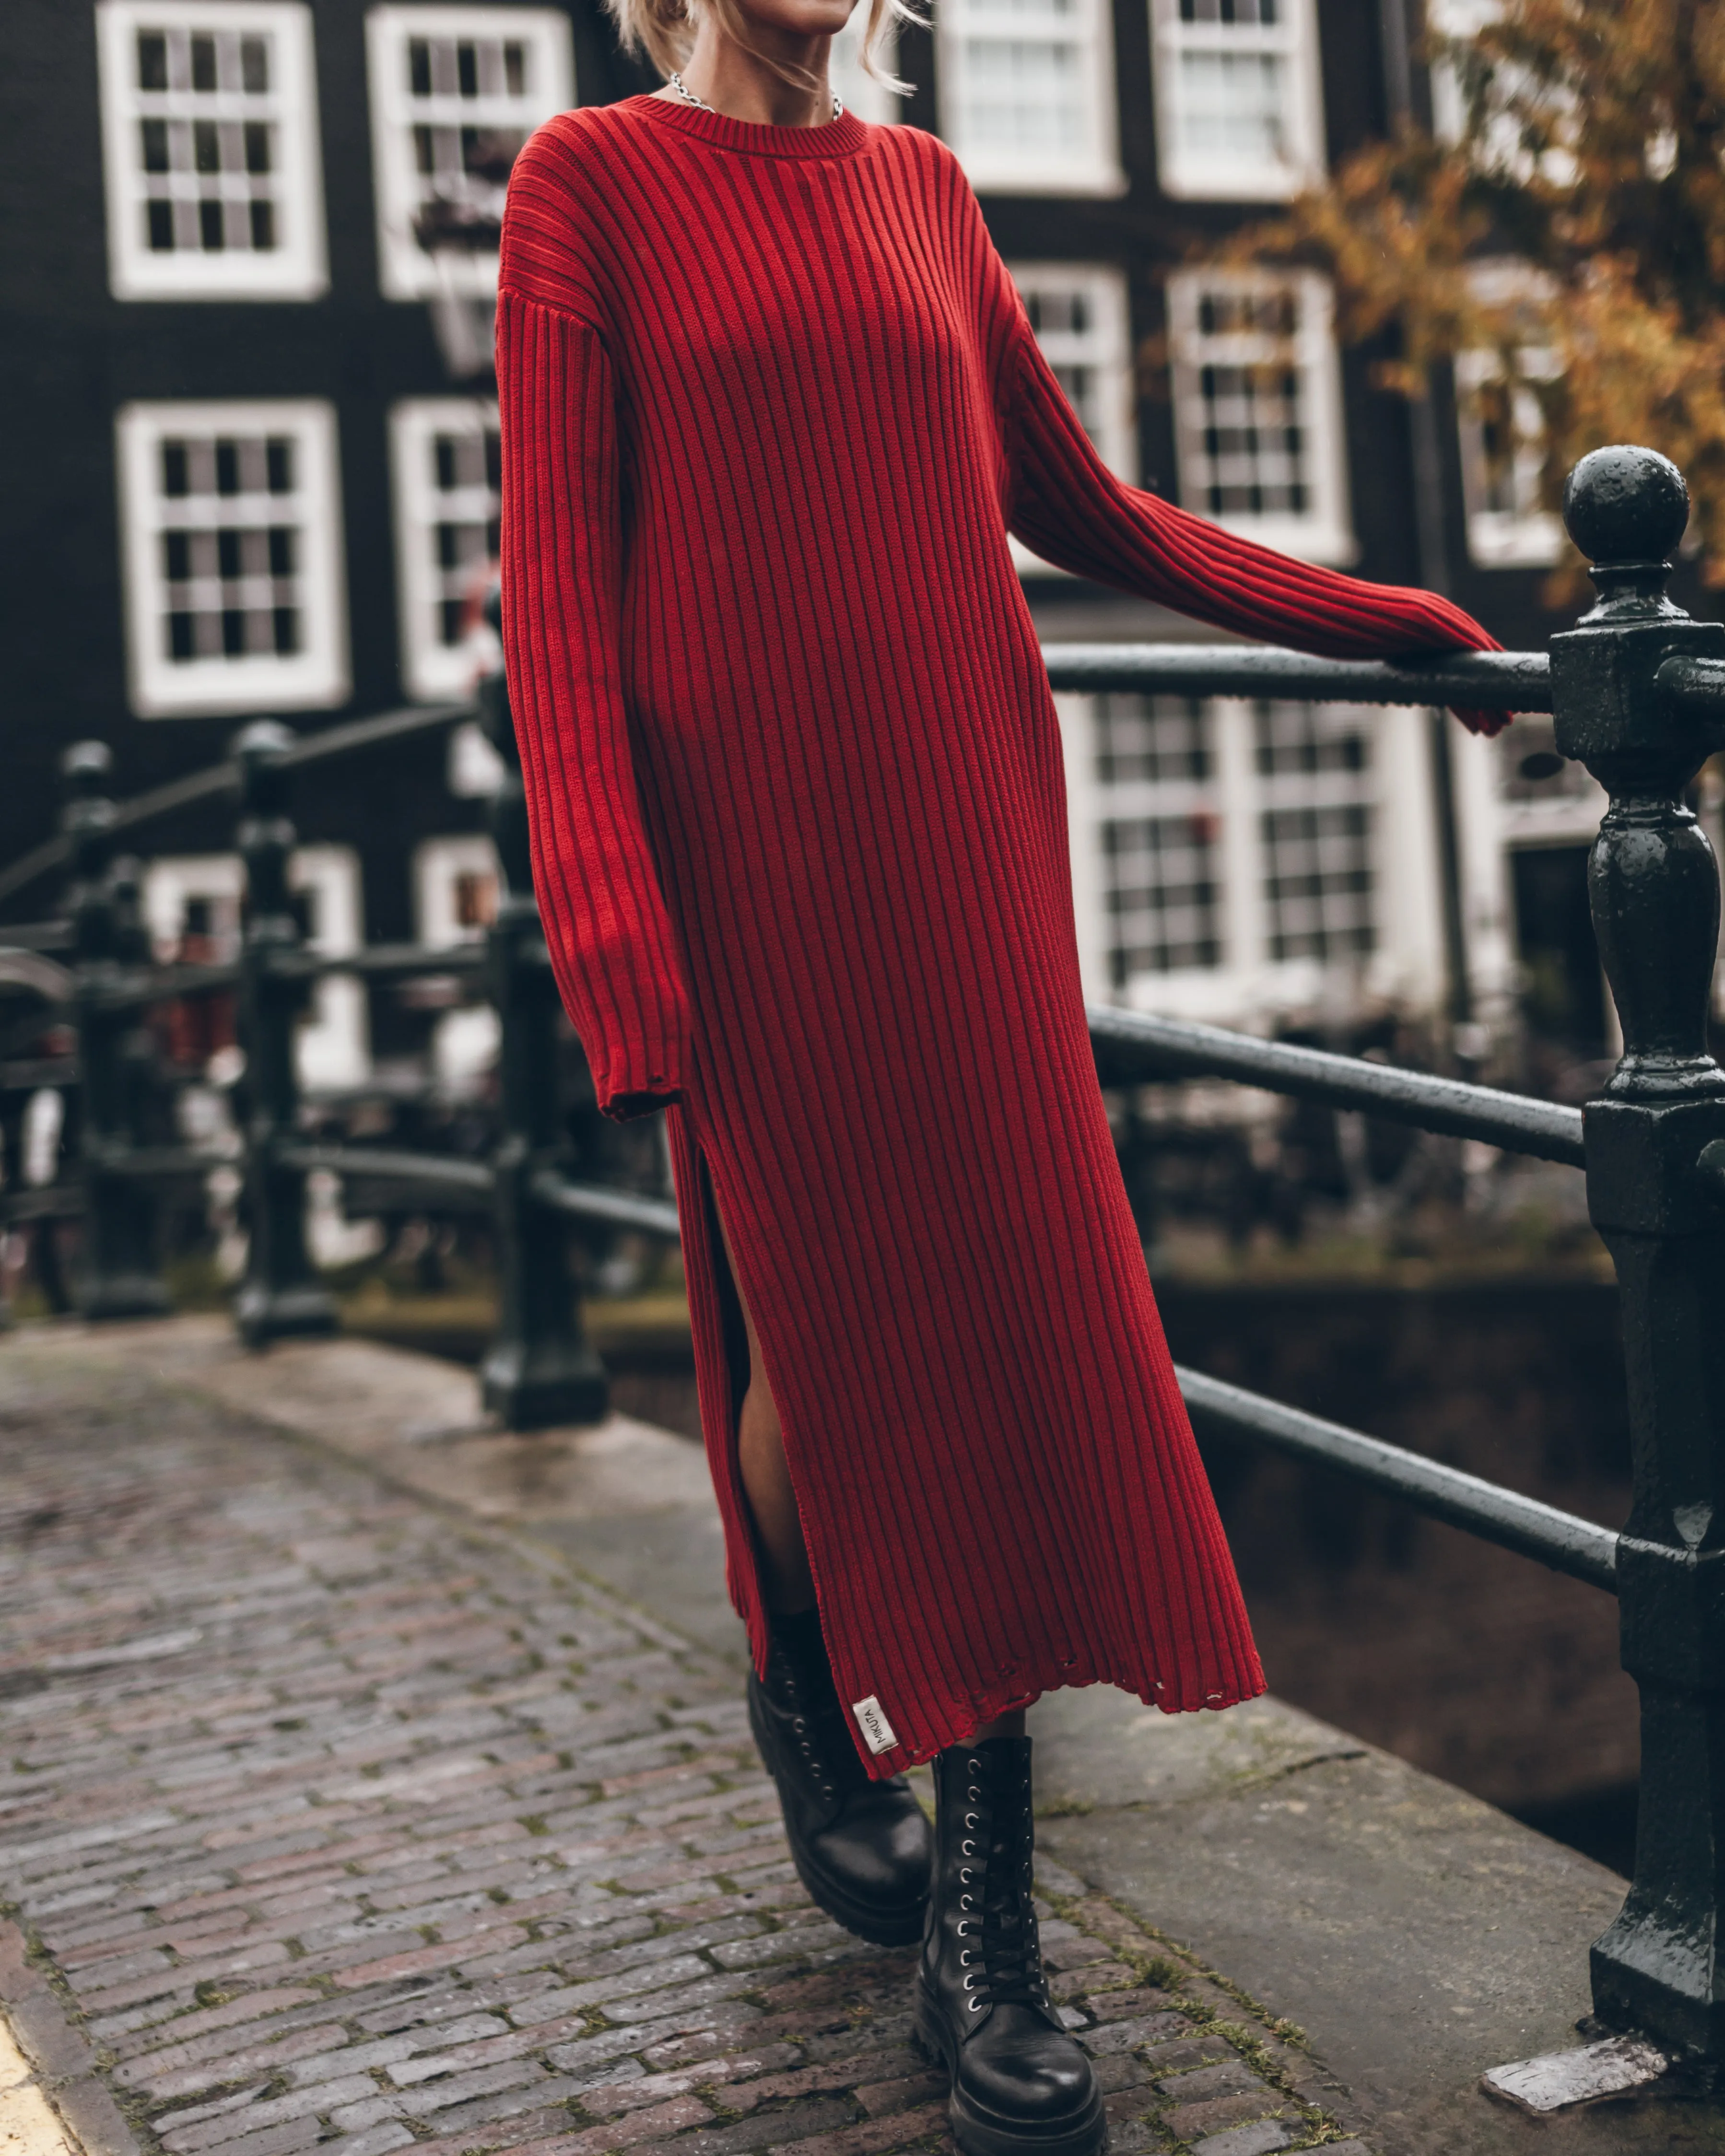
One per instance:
(834, 138)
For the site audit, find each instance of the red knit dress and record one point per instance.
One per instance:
(770, 407)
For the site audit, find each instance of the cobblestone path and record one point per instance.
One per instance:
(328, 1819)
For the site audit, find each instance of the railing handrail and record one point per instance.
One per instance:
(214, 779)
(1162, 1047)
(394, 1165)
(1516, 680)
(1562, 1540)
(1504, 681)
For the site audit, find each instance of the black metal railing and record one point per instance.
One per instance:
(1637, 689)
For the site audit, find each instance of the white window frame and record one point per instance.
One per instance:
(465, 1041)
(1324, 531)
(1247, 986)
(1501, 146)
(1107, 347)
(296, 268)
(315, 677)
(405, 270)
(332, 1044)
(439, 865)
(1193, 174)
(429, 668)
(1093, 168)
(1524, 534)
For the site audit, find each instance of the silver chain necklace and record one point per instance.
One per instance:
(684, 91)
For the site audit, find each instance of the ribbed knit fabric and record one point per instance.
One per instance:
(770, 404)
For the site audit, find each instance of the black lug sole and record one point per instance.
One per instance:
(864, 1920)
(980, 2133)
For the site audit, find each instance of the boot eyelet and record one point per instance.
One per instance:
(964, 1875)
(965, 1901)
(973, 1796)
(967, 1849)
(970, 1983)
(970, 1822)
(976, 2005)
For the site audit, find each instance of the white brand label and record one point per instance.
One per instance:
(876, 1729)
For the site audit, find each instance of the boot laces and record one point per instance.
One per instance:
(1009, 1966)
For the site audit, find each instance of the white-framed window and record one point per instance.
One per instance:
(456, 885)
(1238, 99)
(1316, 830)
(1501, 424)
(210, 149)
(456, 888)
(1083, 325)
(1026, 92)
(454, 93)
(1502, 436)
(203, 893)
(230, 525)
(1258, 408)
(1160, 862)
(1232, 859)
(445, 465)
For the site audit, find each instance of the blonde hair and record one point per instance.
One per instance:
(664, 31)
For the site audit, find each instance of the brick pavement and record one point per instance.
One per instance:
(328, 1819)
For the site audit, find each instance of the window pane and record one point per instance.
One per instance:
(1162, 893)
(229, 552)
(1319, 882)
(189, 85)
(1245, 399)
(1233, 104)
(1151, 737)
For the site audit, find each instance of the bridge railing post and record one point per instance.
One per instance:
(281, 1296)
(1654, 886)
(118, 1273)
(540, 1369)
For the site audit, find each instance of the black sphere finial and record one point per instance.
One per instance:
(1625, 505)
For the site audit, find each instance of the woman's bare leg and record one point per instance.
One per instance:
(766, 1480)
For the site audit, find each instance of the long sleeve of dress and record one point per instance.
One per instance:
(613, 949)
(1068, 508)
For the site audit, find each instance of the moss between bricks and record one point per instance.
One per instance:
(1158, 1960)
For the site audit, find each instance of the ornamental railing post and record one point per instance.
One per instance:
(117, 1275)
(137, 1048)
(281, 1297)
(540, 1369)
(1654, 889)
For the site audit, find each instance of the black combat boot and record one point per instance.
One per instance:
(1021, 2085)
(862, 1848)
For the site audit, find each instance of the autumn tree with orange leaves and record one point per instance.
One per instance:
(1570, 200)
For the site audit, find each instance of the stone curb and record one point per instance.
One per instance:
(60, 2053)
